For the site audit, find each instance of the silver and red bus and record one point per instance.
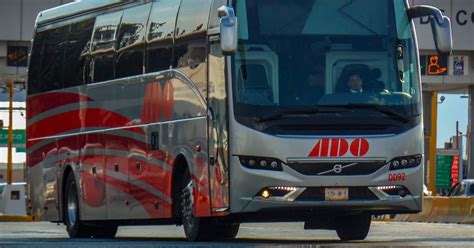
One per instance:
(212, 113)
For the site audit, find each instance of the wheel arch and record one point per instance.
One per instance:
(179, 167)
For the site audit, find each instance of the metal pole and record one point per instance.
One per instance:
(457, 135)
(433, 135)
(10, 138)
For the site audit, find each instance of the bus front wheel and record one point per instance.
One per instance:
(353, 227)
(201, 229)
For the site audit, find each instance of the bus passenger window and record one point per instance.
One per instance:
(77, 50)
(131, 41)
(34, 72)
(191, 31)
(104, 45)
(215, 21)
(160, 34)
(52, 62)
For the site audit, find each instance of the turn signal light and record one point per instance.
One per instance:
(260, 163)
(405, 162)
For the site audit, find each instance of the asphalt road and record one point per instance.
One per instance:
(382, 234)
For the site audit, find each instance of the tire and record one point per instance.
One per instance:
(105, 232)
(74, 226)
(201, 229)
(225, 232)
(354, 227)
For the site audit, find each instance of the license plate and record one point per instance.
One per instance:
(336, 194)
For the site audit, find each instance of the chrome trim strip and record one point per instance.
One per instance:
(292, 136)
(326, 160)
(214, 31)
(118, 128)
(219, 210)
(333, 170)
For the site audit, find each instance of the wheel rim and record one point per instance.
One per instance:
(187, 205)
(72, 206)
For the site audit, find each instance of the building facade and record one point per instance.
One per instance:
(17, 18)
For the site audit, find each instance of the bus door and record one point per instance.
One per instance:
(218, 132)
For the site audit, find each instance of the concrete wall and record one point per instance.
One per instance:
(17, 18)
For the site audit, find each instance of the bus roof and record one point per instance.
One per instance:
(74, 8)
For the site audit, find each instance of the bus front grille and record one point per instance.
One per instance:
(337, 169)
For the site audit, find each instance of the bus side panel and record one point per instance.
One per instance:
(47, 158)
(186, 133)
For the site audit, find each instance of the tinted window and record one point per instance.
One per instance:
(191, 31)
(160, 35)
(104, 47)
(34, 70)
(77, 50)
(471, 190)
(131, 41)
(53, 57)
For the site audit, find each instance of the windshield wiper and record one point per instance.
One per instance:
(382, 109)
(279, 115)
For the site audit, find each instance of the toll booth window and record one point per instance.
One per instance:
(191, 31)
(53, 58)
(17, 56)
(131, 41)
(15, 195)
(77, 51)
(160, 34)
(104, 47)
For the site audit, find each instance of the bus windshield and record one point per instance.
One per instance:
(303, 55)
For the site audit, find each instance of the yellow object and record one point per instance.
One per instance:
(7, 218)
(443, 210)
(433, 137)
(10, 137)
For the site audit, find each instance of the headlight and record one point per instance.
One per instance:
(405, 162)
(261, 163)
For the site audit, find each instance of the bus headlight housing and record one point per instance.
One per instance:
(261, 163)
(405, 162)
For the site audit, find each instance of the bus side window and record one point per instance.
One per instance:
(131, 41)
(53, 58)
(77, 50)
(191, 32)
(215, 20)
(104, 44)
(160, 33)
(34, 73)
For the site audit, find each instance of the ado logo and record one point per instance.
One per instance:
(339, 148)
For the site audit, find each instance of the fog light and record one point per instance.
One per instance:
(402, 192)
(265, 194)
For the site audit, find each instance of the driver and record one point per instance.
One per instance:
(355, 83)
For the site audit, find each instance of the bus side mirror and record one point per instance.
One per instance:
(229, 28)
(440, 24)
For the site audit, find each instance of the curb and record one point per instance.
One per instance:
(15, 218)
